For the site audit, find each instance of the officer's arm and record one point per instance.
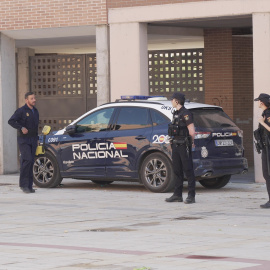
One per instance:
(14, 120)
(191, 130)
(261, 121)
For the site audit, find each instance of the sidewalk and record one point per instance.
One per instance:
(123, 226)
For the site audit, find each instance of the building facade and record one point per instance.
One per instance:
(78, 54)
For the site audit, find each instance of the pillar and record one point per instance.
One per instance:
(23, 55)
(8, 136)
(128, 59)
(261, 62)
(102, 53)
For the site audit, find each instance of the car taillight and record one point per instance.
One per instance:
(240, 133)
(202, 135)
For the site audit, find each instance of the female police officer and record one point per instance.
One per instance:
(182, 133)
(264, 130)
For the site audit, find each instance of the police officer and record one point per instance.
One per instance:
(182, 133)
(26, 120)
(264, 129)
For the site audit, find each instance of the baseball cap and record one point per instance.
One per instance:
(178, 96)
(263, 97)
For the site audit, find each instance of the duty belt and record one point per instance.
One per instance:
(179, 141)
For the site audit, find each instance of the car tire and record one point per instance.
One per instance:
(156, 173)
(216, 183)
(102, 182)
(46, 171)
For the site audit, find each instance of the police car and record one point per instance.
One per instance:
(128, 140)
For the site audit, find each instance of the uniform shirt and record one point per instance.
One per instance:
(27, 118)
(183, 118)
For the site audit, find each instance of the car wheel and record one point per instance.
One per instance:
(216, 183)
(156, 173)
(102, 182)
(46, 171)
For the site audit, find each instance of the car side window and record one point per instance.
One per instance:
(96, 121)
(133, 118)
(159, 118)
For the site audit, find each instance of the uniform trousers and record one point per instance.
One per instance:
(265, 169)
(183, 164)
(27, 149)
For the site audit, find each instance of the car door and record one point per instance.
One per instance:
(130, 136)
(83, 154)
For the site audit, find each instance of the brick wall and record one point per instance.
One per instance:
(29, 14)
(243, 90)
(130, 3)
(218, 68)
(228, 64)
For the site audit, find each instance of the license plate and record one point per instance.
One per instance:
(224, 142)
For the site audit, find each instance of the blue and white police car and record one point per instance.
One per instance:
(128, 140)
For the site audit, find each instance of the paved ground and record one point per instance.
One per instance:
(124, 227)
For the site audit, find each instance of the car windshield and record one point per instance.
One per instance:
(211, 118)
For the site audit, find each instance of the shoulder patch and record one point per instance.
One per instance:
(268, 119)
(186, 117)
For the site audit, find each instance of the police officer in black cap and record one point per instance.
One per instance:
(26, 120)
(182, 133)
(264, 130)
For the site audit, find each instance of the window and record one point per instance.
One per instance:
(95, 122)
(133, 118)
(211, 118)
(158, 118)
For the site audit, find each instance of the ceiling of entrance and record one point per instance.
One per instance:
(161, 35)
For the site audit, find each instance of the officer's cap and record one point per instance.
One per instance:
(178, 96)
(263, 97)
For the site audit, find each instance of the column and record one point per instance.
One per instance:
(23, 73)
(261, 64)
(128, 59)
(102, 53)
(8, 136)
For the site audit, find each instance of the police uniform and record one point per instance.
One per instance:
(181, 153)
(262, 135)
(266, 114)
(29, 119)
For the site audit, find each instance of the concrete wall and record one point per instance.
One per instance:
(8, 136)
(128, 59)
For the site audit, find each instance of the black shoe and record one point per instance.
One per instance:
(26, 190)
(189, 200)
(266, 205)
(32, 190)
(174, 198)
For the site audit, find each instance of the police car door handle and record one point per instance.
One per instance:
(140, 137)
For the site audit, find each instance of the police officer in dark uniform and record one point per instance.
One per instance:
(26, 120)
(264, 130)
(182, 133)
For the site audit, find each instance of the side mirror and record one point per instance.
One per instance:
(71, 130)
(46, 130)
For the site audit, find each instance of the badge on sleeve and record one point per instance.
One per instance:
(268, 119)
(186, 117)
(27, 114)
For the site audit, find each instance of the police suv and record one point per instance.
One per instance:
(128, 140)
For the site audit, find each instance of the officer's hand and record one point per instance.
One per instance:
(24, 130)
